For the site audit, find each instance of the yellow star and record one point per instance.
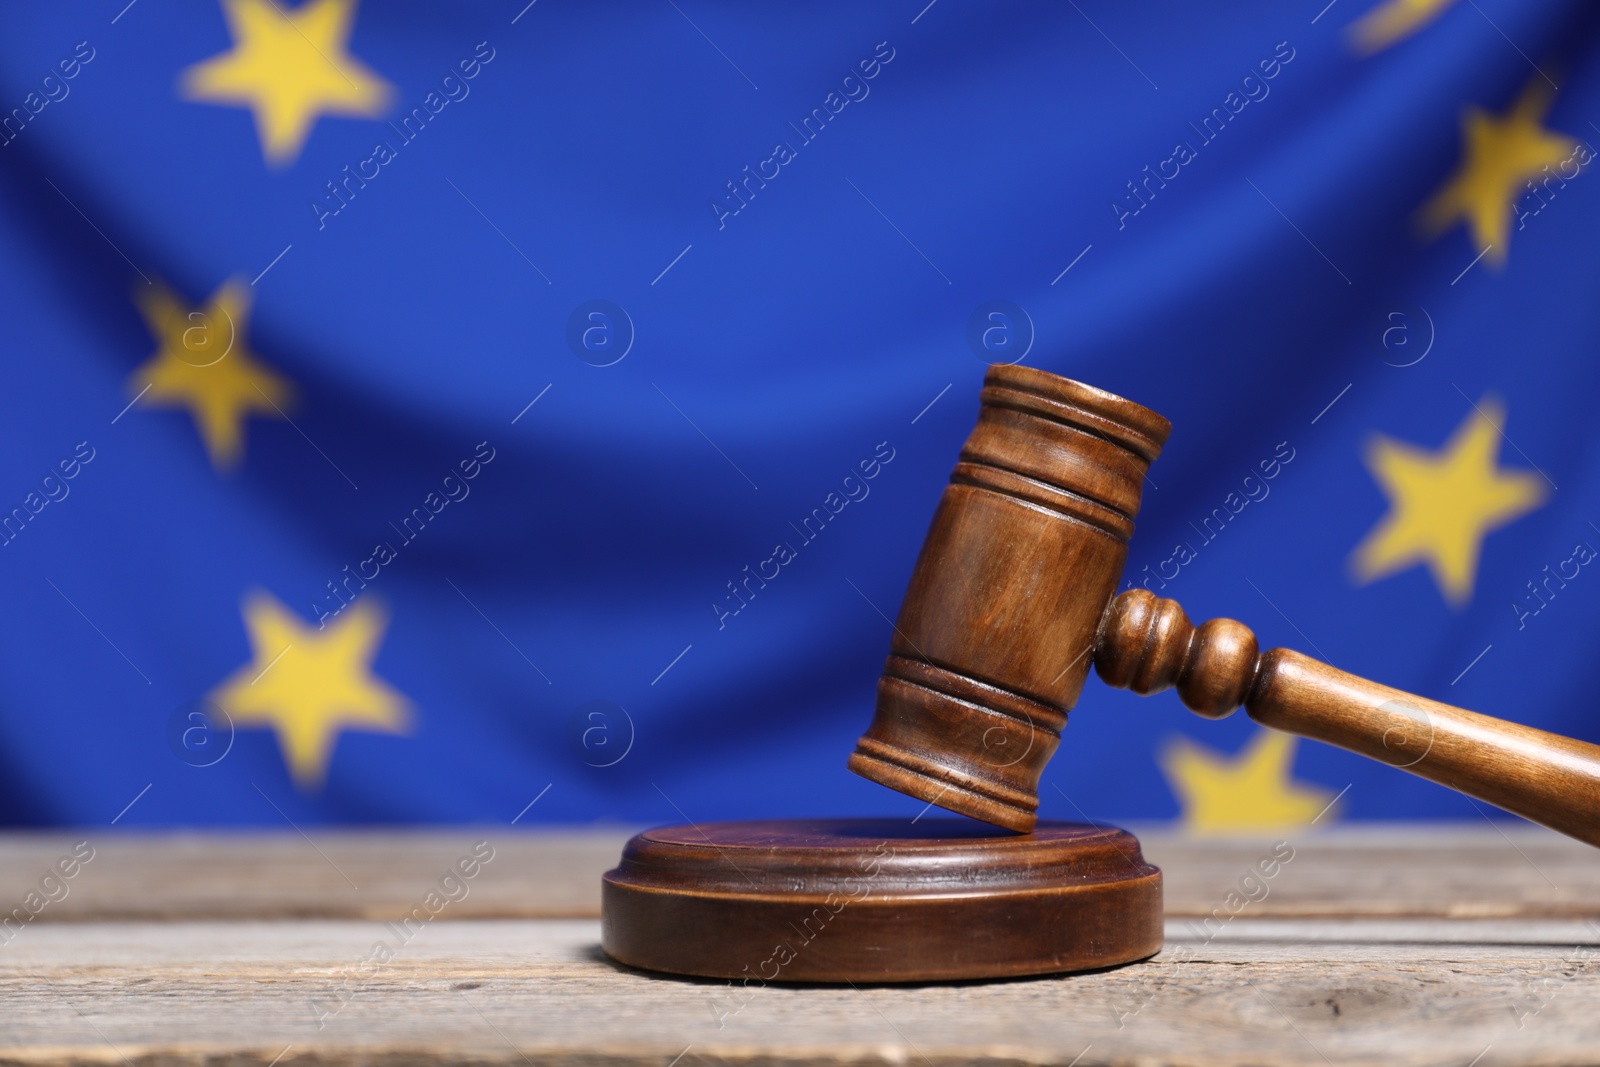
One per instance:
(1499, 154)
(1442, 504)
(309, 684)
(289, 67)
(201, 363)
(1249, 792)
(1390, 22)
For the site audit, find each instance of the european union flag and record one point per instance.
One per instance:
(526, 410)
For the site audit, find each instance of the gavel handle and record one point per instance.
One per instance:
(1147, 644)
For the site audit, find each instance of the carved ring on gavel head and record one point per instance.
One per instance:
(1012, 599)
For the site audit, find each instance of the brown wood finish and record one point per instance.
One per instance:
(1011, 600)
(1392, 945)
(1148, 644)
(879, 900)
(1344, 871)
(500, 993)
(993, 641)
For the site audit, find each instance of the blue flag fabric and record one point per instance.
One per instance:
(533, 410)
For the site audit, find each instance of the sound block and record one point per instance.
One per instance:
(880, 900)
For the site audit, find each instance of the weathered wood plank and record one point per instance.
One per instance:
(1445, 871)
(1352, 933)
(1354, 953)
(537, 992)
(1438, 871)
(355, 875)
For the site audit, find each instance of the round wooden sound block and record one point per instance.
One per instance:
(880, 900)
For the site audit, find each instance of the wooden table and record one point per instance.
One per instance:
(1421, 945)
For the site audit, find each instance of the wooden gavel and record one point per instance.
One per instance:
(1012, 599)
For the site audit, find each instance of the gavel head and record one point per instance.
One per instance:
(998, 627)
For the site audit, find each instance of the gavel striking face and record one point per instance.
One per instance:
(1012, 599)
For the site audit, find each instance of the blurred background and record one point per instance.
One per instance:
(504, 411)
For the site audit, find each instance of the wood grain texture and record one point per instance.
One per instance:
(1437, 870)
(1149, 644)
(351, 874)
(1024, 551)
(1013, 596)
(880, 900)
(1353, 957)
(1442, 871)
(538, 992)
